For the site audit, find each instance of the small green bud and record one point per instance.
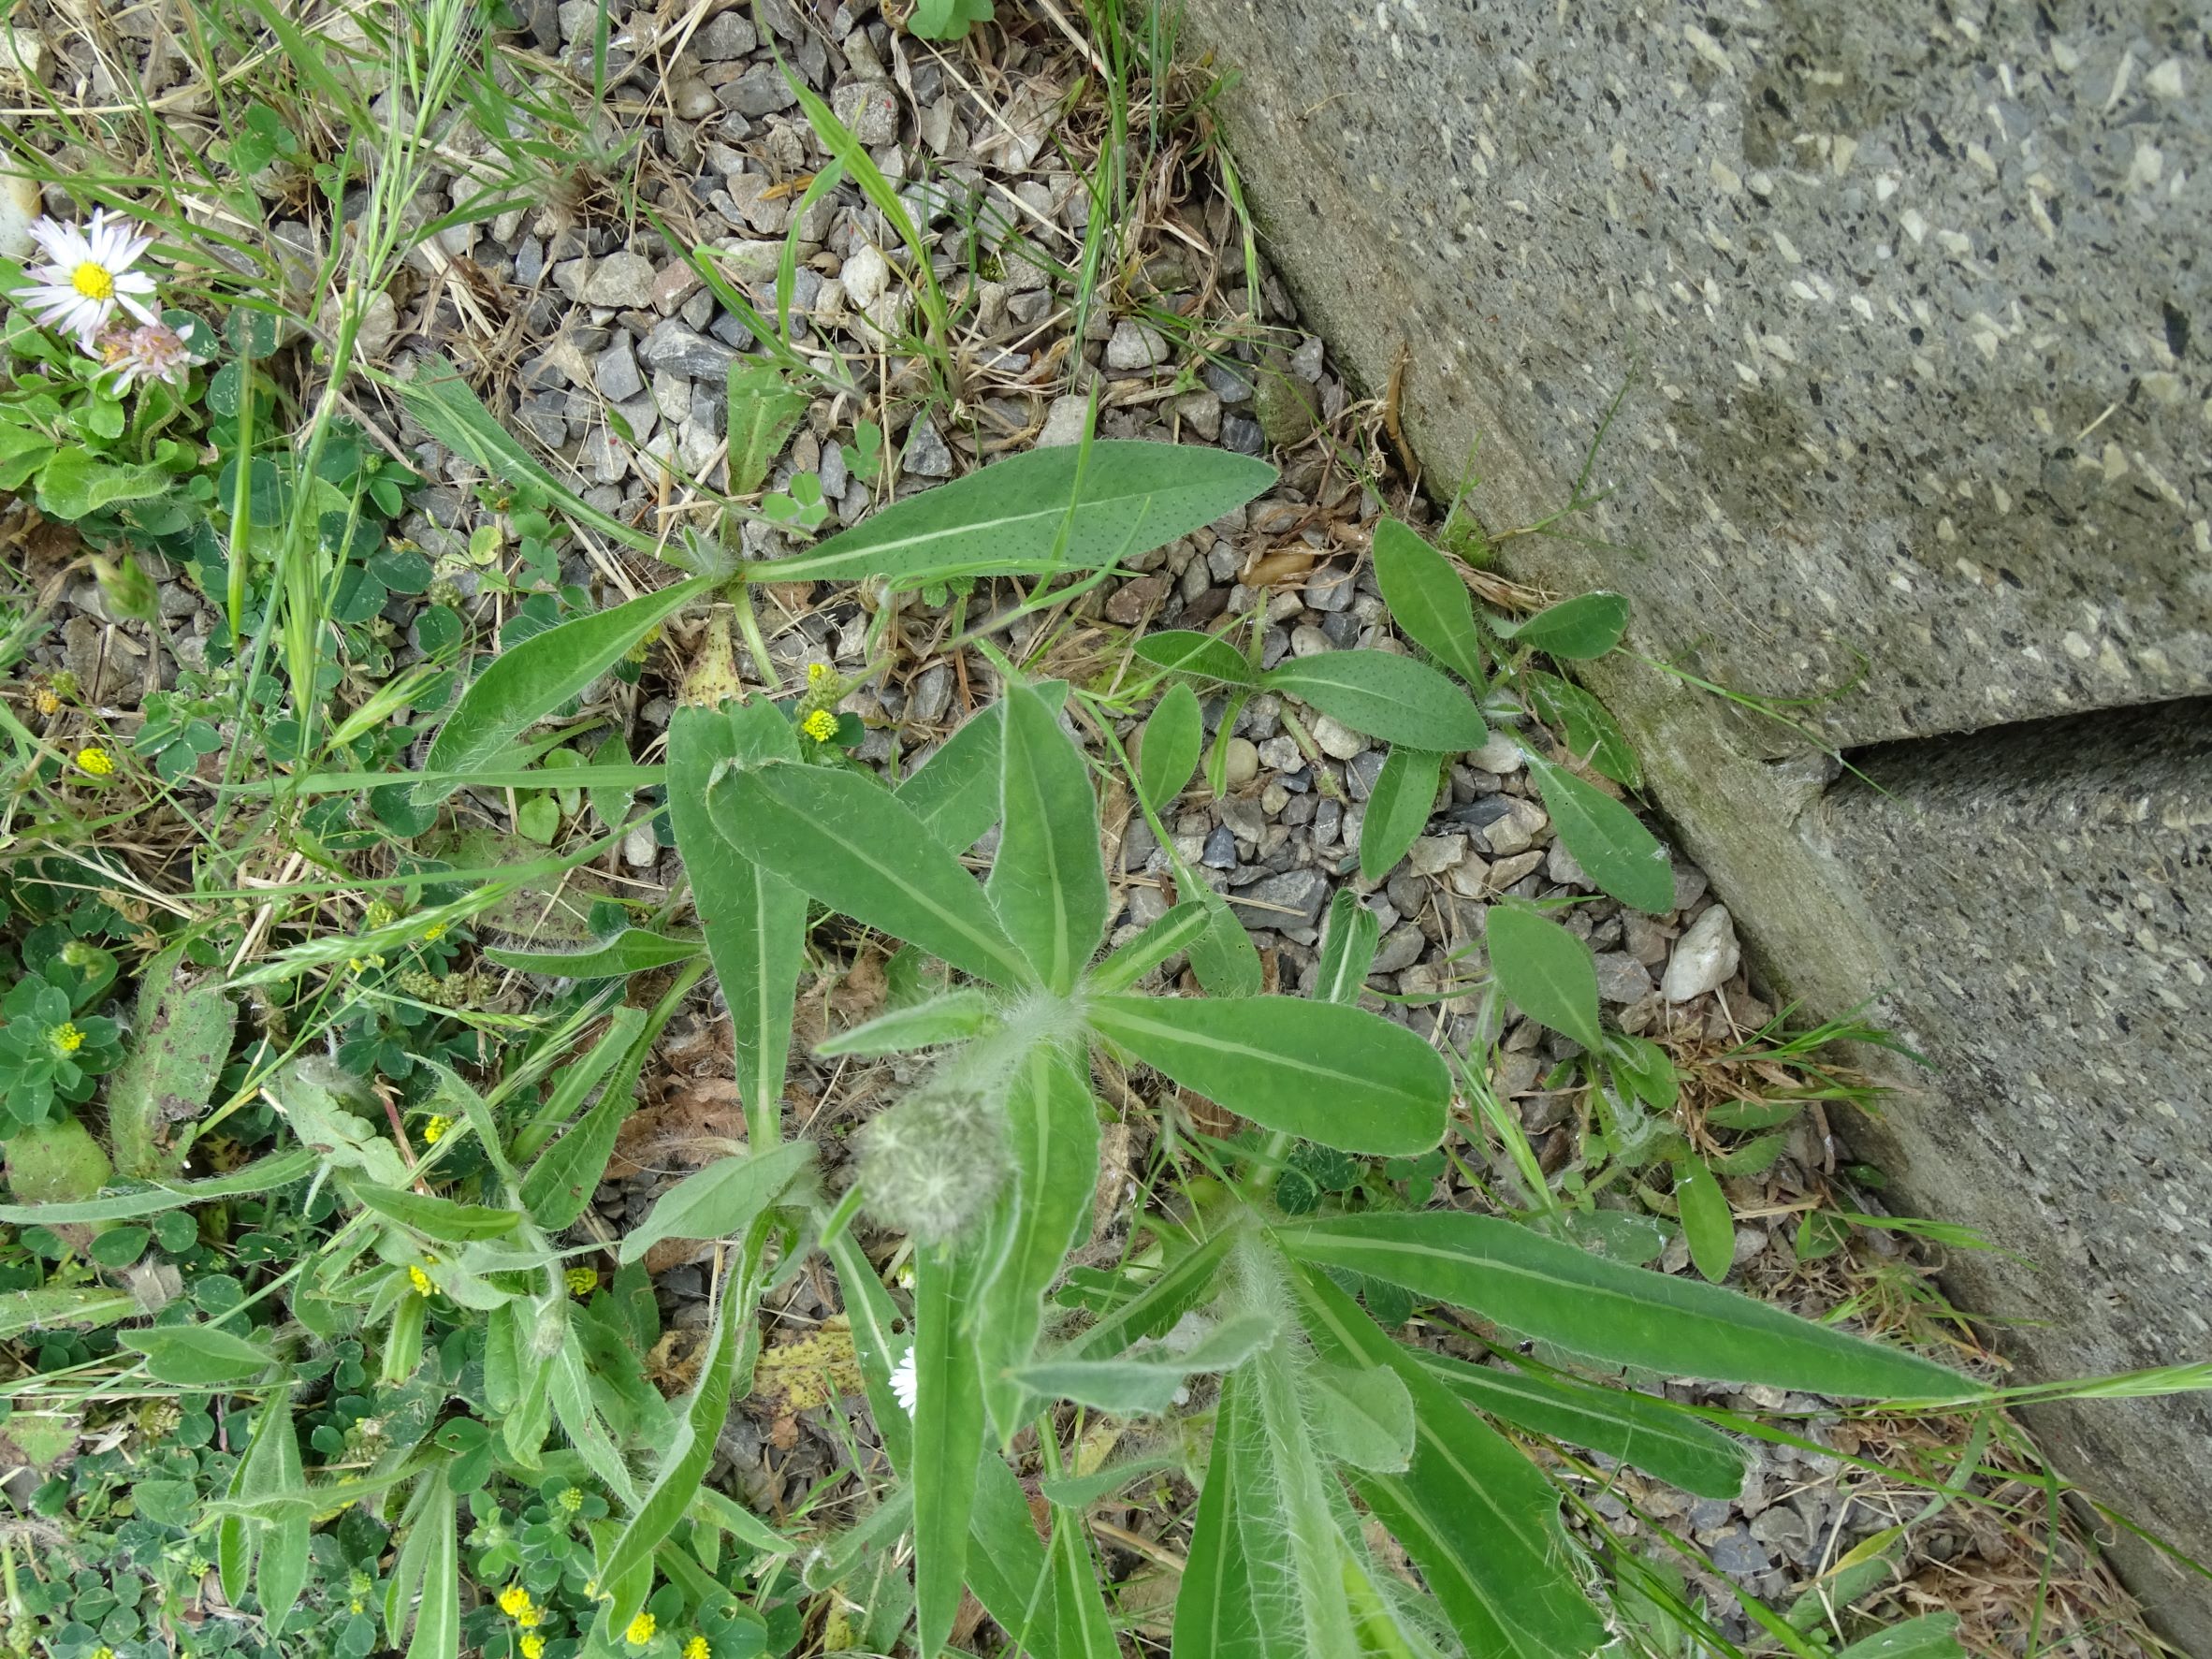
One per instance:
(129, 590)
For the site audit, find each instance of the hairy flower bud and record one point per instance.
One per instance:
(932, 1164)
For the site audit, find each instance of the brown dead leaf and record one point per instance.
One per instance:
(1284, 564)
(838, 1002)
(697, 1120)
(672, 1365)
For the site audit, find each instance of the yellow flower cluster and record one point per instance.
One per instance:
(532, 1646)
(513, 1601)
(420, 1280)
(641, 1630)
(95, 763)
(582, 1281)
(66, 1038)
(696, 1647)
(435, 1131)
(820, 725)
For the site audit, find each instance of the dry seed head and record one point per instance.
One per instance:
(932, 1164)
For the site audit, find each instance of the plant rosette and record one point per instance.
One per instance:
(48, 1052)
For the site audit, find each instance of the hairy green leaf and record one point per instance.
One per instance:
(954, 1017)
(560, 1183)
(1590, 734)
(1348, 939)
(184, 1038)
(1048, 880)
(1169, 753)
(1331, 1073)
(436, 1217)
(1635, 1428)
(1178, 930)
(1588, 625)
(956, 791)
(1047, 510)
(198, 1356)
(948, 1442)
(755, 922)
(683, 1467)
(1478, 1517)
(1179, 650)
(721, 1200)
(1545, 972)
(1214, 1616)
(264, 1174)
(1053, 1139)
(848, 842)
(1607, 840)
(530, 680)
(635, 949)
(1626, 1316)
(1146, 1384)
(765, 409)
(1362, 1416)
(1707, 1223)
(1428, 599)
(1398, 809)
(1385, 695)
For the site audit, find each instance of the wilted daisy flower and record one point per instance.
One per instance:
(88, 274)
(152, 351)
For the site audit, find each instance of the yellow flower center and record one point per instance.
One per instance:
(93, 280)
(67, 1039)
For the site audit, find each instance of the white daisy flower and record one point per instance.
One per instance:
(88, 275)
(905, 1384)
(154, 351)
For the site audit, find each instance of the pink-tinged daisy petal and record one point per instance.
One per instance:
(142, 312)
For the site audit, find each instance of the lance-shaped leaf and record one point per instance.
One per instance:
(1478, 1517)
(1169, 753)
(956, 791)
(1545, 972)
(1178, 930)
(1588, 625)
(198, 1356)
(1427, 599)
(1398, 809)
(530, 680)
(1214, 1616)
(1607, 840)
(1182, 650)
(1048, 880)
(560, 1183)
(1061, 509)
(1590, 733)
(954, 1017)
(1348, 939)
(635, 949)
(184, 1038)
(719, 1200)
(851, 844)
(765, 409)
(1146, 1383)
(436, 1217)
(683, 1468)
(1624, 1316)
(1635, 1428)
(1053, 1139)
(1320, 1069)
(948, 1442)
(1081, 1625)
(754, 919)
(1385, 695)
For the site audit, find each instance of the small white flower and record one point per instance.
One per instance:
(88, 275)
(904, 1383)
